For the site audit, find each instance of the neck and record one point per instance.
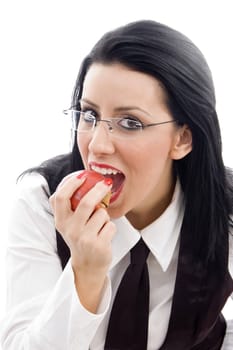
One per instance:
(140, 218)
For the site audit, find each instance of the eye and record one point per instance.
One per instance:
(89, 116)
(130, 123)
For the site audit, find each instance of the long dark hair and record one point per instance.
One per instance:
(169, 56)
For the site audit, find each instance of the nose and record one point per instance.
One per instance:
(101, 141)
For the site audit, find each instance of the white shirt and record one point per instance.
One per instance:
(43, 309)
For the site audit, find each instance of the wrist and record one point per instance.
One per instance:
(90, 289)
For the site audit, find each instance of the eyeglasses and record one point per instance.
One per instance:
(124, 126)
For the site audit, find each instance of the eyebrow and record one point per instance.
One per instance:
(117, 109)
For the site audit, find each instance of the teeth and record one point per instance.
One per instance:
(104, 171)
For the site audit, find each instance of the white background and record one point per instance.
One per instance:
(41, 46)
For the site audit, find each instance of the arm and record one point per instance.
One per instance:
(88, 231)
(43, 308)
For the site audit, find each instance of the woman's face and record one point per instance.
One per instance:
(144, 159)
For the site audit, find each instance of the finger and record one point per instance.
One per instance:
(67, 177)
(96, 222)
(90, 200)
(60, 200)
(95, 194)
(108, 232)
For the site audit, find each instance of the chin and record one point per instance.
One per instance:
(116, 213)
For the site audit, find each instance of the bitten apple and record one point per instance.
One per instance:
(92, 178)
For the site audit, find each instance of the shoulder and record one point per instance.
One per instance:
(35, 185)
(53, 170)
(31, 221)
(33, 191)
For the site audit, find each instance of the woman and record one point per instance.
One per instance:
(143, 112)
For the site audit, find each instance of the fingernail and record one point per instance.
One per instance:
(108, 181)
(82, 176)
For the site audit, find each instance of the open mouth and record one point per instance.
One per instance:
(117, 176)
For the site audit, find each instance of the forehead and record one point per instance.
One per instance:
(116, 82)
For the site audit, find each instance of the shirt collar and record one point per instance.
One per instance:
(161, 236)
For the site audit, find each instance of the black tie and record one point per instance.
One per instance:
(128, 323)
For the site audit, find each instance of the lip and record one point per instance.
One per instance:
(102, 165)
(118, 190)
(117, 193)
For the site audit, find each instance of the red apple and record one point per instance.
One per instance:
(91, 179)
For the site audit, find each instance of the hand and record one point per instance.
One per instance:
(88, 233)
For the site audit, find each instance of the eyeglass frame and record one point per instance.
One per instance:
(110, 122)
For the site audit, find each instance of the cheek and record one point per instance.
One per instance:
(149, 154)
(83, 142)
(148, 164)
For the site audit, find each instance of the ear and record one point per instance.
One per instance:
(182, 143)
